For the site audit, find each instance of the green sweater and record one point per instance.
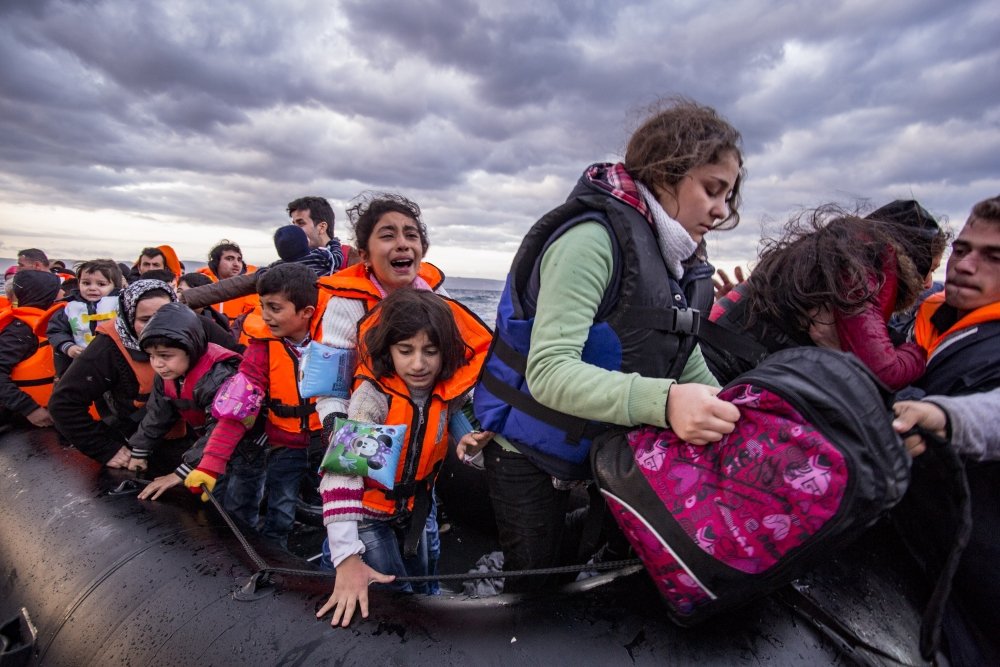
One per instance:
(575, 272)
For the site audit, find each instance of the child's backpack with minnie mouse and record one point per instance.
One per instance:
(812, 463)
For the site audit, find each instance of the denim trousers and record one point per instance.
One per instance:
(530, 514)
(242, 488)
(384, 552)
(381, 536)
(280, 479)
(432, 534)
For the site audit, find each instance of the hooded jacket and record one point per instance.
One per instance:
(106, 371)
(35, 289)
(189, 397)
(27, 371)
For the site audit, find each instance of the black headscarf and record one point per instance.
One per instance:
(127, 302)
(181, 325)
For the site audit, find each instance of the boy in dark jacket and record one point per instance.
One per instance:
(189, 371)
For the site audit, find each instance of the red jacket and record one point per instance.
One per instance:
(867, 334)
(256, 367)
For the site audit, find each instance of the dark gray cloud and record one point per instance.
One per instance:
(219, 113)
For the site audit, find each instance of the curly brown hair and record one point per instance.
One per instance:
(369, 207)
(824, 259)
(678, 135)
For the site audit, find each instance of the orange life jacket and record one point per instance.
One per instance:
(929, 338)
(144, 375)
(286, 409)
(426, 441)
(354, 283)
(36, 375)
(184, 401)
(254, 326)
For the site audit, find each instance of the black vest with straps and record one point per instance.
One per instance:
(644, 324)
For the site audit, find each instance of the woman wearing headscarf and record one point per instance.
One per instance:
(114, 372)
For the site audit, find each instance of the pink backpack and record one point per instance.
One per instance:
(812, 463)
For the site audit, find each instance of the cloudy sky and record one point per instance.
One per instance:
(131, 123)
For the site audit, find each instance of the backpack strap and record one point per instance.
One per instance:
(956, 485)
(701, 295)
(739, 345)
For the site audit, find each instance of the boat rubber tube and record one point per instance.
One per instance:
(107, 579)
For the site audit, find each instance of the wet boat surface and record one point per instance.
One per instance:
(109, 579)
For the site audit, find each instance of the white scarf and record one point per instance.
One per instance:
(675, 243)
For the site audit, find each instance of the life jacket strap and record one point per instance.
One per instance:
(283, 410)
(672, 320)
(576, 429)
(38, 382)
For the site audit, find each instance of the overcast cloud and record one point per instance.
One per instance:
(124, 124)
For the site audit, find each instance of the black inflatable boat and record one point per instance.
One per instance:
(91, 576)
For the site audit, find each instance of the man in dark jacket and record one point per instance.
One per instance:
(960, 329)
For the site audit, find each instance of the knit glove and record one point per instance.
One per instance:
(196, 478)
(328, 425)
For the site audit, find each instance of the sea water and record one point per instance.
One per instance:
(482, 302)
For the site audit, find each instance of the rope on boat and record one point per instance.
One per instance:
(263, 567)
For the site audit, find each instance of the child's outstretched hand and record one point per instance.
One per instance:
(723, 285)
(196, 478)
(697, 416)
(156, 488)
(74, 351)
(473, 443)
(350, 590)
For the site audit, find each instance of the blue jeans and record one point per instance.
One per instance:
(433, 536)
(243, 488)
(429, 548)
(384, 553)
(285, 469)
(280, 479)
